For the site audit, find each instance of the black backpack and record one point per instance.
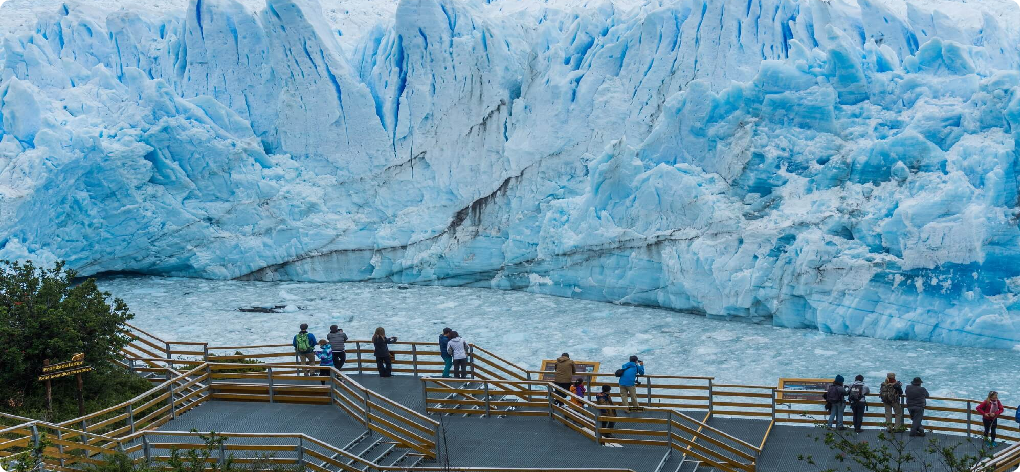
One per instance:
(856, 394)
(619, 372)
(834, 394)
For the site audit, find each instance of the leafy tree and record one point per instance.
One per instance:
(46, 314)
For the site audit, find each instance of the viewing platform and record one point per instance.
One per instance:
(270, 410)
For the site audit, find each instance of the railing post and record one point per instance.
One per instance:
(368, 419)
(169, 356)
(649, 387)
(414, 359)
(485, 383)
(357, 346)
(669, 432)
(131, 365)
(145, 449)
(84, 431)
(223, 453)
(968, 419)
(301, 453)
(425, 396)
(208, 372)
(710, 394)
(131, 417)
(598, 427)
(269, 372)
(173, 409)
(773, 404)
(332, 386)
(35, 437)
(60, 447)
(549, 394)
(471, 356)
(205, 352)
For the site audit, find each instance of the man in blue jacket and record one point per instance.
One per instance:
(444, 342)
(628, 381)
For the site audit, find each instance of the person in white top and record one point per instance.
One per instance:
(458, 349)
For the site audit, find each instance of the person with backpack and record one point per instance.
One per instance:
(990, 410)
(457, 348)
(383, 356)
(857, 396)
(890, 392)
(604, 398)
(304, 347)
(628, 379)
(337, 341)
(565, 370)
(835, 402)
(916, 401)
(444, 340)
(325, 355)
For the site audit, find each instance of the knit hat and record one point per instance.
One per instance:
(839, 379)
(917, 381)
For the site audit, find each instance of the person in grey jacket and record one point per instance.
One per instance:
(916, 401)
(337, 338)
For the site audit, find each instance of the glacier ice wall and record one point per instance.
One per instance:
(847, 166)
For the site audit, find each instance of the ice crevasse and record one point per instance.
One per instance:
(848, 166)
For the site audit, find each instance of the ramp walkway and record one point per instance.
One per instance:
(267, 410)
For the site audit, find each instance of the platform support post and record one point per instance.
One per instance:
(269, 372)
(488, 412)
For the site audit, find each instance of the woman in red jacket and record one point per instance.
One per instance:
(990, 410)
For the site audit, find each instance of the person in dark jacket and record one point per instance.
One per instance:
(337, 338)
(383, 357)
(916, 401)
(835, 401)
(444, 341)
(857, 396)
(565, 370)
(605, 398)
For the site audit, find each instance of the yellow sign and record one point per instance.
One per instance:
(803, 389)
(65, 373)
(581, 367)
(62, 366)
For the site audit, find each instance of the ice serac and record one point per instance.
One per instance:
(846, 166)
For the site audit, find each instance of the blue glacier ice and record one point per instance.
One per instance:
(848, 166)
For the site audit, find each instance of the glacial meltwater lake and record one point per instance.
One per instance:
(526, 328)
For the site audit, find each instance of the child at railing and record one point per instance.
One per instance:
(605, 399)
(578, 390)
(325, 355)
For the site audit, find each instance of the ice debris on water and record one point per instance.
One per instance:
(846, 166)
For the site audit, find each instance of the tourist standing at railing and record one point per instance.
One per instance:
(835, 402)
(325, 355)
(857, 395)
(891, 392)
(565, 370)
(337, 341)
(383, 356)
(457, 348)
(304, 347)
(916, 401)
(990, 410)
(628, 381)
(444, 341)
(604, 398)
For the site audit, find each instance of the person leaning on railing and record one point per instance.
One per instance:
(916, 401)
(444, 341)
(337, 339)
(457, 348)
(383, 356)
